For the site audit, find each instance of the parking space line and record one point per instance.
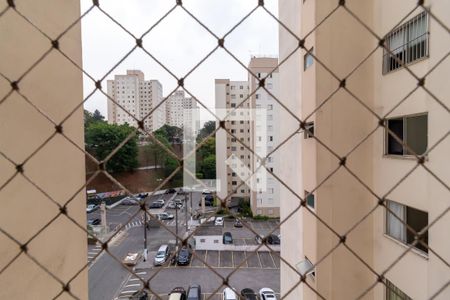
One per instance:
(141, 273)
(259, 259)
(232, 258)
(273, 260)
(134, 284)
(218, 258)
(134, 279)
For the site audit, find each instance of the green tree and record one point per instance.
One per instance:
(102, 138)
(90, 118)
(172, 133)
(208, 167)
(206, 130)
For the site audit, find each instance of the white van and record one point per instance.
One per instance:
(229, 294)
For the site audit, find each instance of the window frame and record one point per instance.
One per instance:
(389, 286)
(305, 59)
(404, 137)
(405, 29)
(405, 230)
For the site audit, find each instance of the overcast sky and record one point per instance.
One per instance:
(178, 42)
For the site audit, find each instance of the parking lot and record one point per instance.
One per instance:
(256, 270)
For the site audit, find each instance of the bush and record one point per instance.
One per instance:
(261, 218)
(244, 208)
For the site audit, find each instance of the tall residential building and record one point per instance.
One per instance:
(265, 198)
(138, 97)
(258, 132)
(228, 94)
(179, 109)
(375, 240)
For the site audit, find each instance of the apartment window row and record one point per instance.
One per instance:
(407, 43)
(406, 215)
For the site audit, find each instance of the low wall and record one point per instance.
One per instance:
(214, 242)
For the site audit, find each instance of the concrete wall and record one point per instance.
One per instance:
(55, 86)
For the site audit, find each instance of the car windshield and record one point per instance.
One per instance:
(228, 238)
(160, 254)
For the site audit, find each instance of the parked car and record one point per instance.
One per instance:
(273, 239)
(227, 238)
(171, 205)
(130, 201)
(184, 256)
(229, 294)
(248, 294)
(131, 258)
(91, 207)
(194, 292)
(218, 221)
(161, 255)
(209, 197)
(165, 216)
(267, 294)
(143, 195)
(155, 205)
(171, 191)
(238, 223)
(95, 221)
(160, 201)
(206, 191)
(177, 293)
(207, 203)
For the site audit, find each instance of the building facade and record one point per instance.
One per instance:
(134, 98)
(346, 123)
(254, 124)
(179, 109)
(228, 95)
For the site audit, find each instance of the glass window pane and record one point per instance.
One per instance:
(393, 146)
(418, 220)
(417, 133)
(394, 227)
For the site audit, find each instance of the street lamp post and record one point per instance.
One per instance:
(176, 225)
(145, 235)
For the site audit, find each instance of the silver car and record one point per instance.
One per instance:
(161, 255)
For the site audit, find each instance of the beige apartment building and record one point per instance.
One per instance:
(228, 95)
(344, 124)
(255, 123)
(135, 97)
(179, 109)
(265, 198)
(29, 215)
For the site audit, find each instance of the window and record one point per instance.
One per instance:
(406, 44)
(233, 148)
(257, 96)
(233, 104)
(308, 59)
(233, 174)
(411, 130)
(394, 293)
(309, 130)
(310, 201)
(269, 107)
(414, 218)
(270, 138)
(234, 183)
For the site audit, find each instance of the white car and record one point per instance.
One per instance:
(131, 258)
(206, 191)
(165, 216)
(218, 221)
(160, 201)
(91, 208)
(267, 294)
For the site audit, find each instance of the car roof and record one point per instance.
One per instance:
(163, 247)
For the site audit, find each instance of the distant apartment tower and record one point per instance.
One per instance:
(258, 134)
(138, 97)
(265, 198)
(179, 109)
(228, 95)
(343, 229)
